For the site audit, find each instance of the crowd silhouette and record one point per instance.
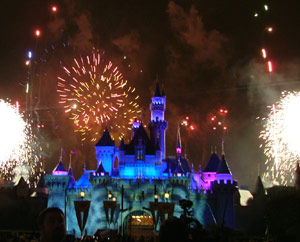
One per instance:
(51, 222)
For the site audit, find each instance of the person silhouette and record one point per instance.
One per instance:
(173, 230)
(52, 226)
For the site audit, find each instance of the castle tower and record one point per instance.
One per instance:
(57, 184)
(224, 188)
(158, 124)
(105, 152)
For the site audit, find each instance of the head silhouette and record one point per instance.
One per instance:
(52, 226)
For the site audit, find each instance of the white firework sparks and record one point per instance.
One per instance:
(18, 146)
(281, 136)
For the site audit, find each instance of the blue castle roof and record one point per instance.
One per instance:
(101, 169)
(177, 166)
(60, 167)
(223, 166)
(83, 181)
(139, 136)
(72, 181)
(106, 139)
(213, 163)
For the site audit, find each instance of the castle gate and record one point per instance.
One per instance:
(138, 223)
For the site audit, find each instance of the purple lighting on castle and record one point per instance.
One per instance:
(60, 173)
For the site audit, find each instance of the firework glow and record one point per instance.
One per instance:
(96, 96)
(218, 121)
(281, 139)
(18, 146)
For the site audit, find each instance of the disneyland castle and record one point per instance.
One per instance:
(137, 184)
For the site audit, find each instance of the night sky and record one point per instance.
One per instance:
(205, 54)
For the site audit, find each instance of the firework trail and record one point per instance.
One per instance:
(19, 149)
(262, 14)
(281, 139)
(96, 96)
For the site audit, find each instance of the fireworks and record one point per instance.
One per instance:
(18, 146)
(281, 139)
(95, 95)
(186, 122)
(219, 120)
(267, 30)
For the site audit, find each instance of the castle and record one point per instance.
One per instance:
(136, 183)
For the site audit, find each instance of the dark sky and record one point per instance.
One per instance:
(206, 54)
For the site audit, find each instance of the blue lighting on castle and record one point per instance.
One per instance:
(137, 173)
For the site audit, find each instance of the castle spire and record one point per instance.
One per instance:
(158, 124)
(157, 90)
(178, 147)
(70, 161)
(105, 139)
(61, 154)
(259, 190)
(223, 151)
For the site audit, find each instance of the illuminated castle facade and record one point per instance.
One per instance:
(133, 179)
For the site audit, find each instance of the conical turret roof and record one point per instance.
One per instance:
(157, 91)
(140, 135)
(70, 173)
(223, 166)
(213, 163)
(72, 179)
(41, 183)
(106, 139)
(259, 188)
(179, 169)
(101, 169)
(22, 182)
(60, 167)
